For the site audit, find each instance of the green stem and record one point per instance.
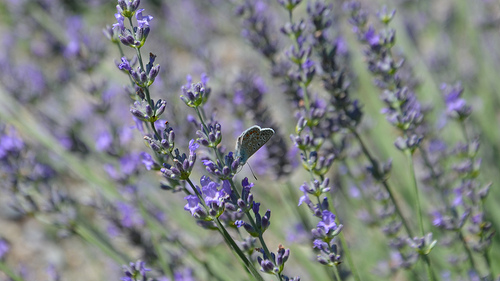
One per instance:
(6, 269)
(337, 275)
(235, 190)
(88, 235)
(385, 184)
(156, 244)
(252, 223)
(467, 250)
(346, 249)
(295, 198)
(229, 240)
(232, 244)
(428, 267)
(488, 263)
(425, 257)
(415, 190)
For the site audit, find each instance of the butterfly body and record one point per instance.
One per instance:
(251, 140)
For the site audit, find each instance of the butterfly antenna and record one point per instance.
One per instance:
(252, 171)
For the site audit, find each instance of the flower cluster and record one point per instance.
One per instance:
(365, 166)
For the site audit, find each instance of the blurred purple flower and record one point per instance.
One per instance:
(184, 275)
(456, 106)
(4, 247)
(135, 270)
(129, 163)
(10, 144)
(129, 215)
(147, 160)
(74, 25)
(52, 273)
(104, 141)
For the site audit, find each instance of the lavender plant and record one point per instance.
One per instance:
(208, 203)
(376, 171)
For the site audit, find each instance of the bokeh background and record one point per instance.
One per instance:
(77, 199)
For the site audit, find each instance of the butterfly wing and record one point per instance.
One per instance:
(250, 141)
(243, 144)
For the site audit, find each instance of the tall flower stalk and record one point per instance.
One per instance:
(213, 208)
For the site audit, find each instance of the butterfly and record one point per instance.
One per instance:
(251, 140)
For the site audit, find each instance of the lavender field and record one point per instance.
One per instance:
(249, 140)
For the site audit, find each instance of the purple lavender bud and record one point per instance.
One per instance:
(334, 258)
(266, 220)
(154, 145)
(203, 142)
(326, 182)
(235, 165)
(210, 166)
(297, 141)
(289, 4)
(307, 140)
(135, 4)
(329, 160)
(185, 165)
(250, 199)
(317, 233)
(138, 113)
(463, 167)
(324, 204)
(230, 207)
(160, 107)
(386, 16)
(483, 192)
(149, 110)
(127, 40)
(135, 77)
(283, 255)
(140, 92)
(301, 124)
(255, 208)
(165, 144)
(140, 36)
(241, 204)
(226, 171)
(192, 160)
(143, 78)
(153, 73)
(316, 184)
(212, 212)
(251, 230)
(171, 136)
(175, 171)
(322, 260)
(266, 266)
(400, 144)
(211, 137)
(122, 6)
(145, 34)
(313, 157)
